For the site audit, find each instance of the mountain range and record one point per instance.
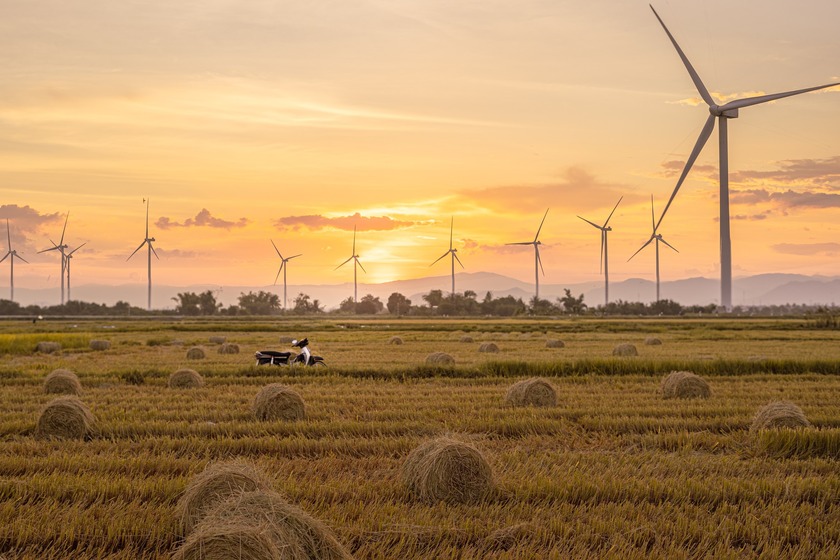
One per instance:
(763, 289)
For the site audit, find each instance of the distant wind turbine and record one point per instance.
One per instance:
(722, 113)
(604, 260)
(452, 251)
(68, 258)
(60, 248)
(658, 238)
(11, 254)
(537, 262)
(355, 258)
(284, 268)
(147, 241)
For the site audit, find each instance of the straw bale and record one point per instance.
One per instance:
(554, 343)
(195, 353)
(278, 402)
(652, 341)
(625, 349)
(779, 414)
(395, 340)
(489, 347)
(100, 345)
(439, 358)
(62, 381)
(230, 540)
(48, 347)
(466, 338)
(447, 470)
(217, 339)
(64, 417)
(685, 385)
(532, 392)
(229, 348)
(185, 378)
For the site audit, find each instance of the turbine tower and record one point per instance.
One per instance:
(722, 113)
(452, 251)
(60, 248)
(537, 262)
(603, 259)
(355, 258)
(147, 241)
(658, 238)
(11, 254)
(67, 266)
(283, 268)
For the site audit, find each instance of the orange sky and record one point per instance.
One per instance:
(246, 122)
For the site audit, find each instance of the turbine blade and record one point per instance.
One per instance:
(640, 248)
(593, 224)
(77, 248)
(440, 257)
(8, 234)
(342, 264)
(750, 101)
(652, 218)
(457, 259)
(293, 257)
(698, 83)
(668, 244)
(451, 229)
(539, 260)
(541, 225)
(61, 241)
(147, 217)
(279, 270)
(53, 248)
(601, 258)
(613, 211)
(6, 256)
(276, 249)
(358, 262)
(152, 247)
(21, 258)
(521, 243)
(354, 239)
(137, 249)
(698, 147)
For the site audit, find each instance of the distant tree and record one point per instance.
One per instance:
(261, 303)
(347, 306)
(541, 306)
(434, 298)
(572, 304)
(369, 305)
(398, 304)
(9, 307)
(207, 303)
(303, 305)
(187, 303)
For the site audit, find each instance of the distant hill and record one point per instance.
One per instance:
(763, 289)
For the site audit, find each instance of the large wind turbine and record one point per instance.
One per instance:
(722, 113)
(604, 260)
(60, 248)
(355, 258)
(68, 258)
(658, 238)
(147, 241)
(452, 251)
(11, 254)
(284, 268)
(537, 262)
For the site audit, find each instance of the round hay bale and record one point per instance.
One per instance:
(66, 418)
(507, 537)
(195, 353)
(439, 359)
(214, 485)
(532, 392)
(229, 348)
(779, 414)
(100, 345)
(489, 347)
(554, 343)
(185, 378)
(48, 347)
(288, 524)
(278, 402)
(685, 385)
(217, 340)
(652, 341)
(62, 382)
(395, 340)
(240, 539)
(286, 339)
(447, 470)
(625, 349)
(466, 338)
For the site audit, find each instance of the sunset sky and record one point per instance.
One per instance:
(250, 121)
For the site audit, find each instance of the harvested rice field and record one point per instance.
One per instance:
(613, 470)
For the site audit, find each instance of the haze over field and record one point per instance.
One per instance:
(296, 122)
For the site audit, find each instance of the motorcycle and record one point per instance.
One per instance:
(273, 357)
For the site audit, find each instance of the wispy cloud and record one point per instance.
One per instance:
(202, 219)
(808, 249)
(787, 199)
(361, 223)
(26, 218)
(816, 172)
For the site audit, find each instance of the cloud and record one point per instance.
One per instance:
(750, 217)
(361, 223)
(674, 167)
(25, 218)
(202, 219)
(720, 98)
(809, 172)
(808, 249)
(787, 199)
(578, 190)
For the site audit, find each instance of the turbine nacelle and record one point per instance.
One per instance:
(722, 111)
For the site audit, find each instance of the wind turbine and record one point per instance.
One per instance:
(658, 238)
(11, 255)
(452, 251)
(604, 260)
(722, 113)
(537, 262)
(284, 268)
(67, 258)
(355, 258)
(147, 241)
(60, 248)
